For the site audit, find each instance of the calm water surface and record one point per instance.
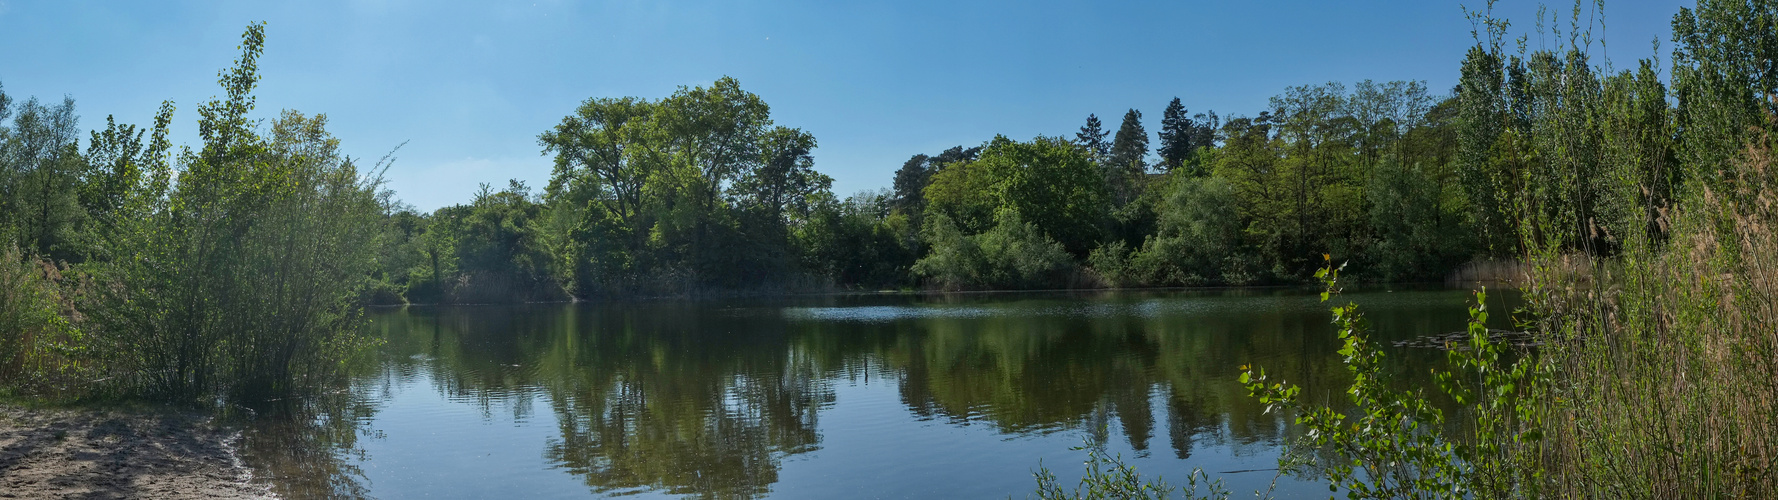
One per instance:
(828, 397)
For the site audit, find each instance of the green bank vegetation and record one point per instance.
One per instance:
(233, 269)
(1644, 209)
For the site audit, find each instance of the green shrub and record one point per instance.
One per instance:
(1111, 261)
(1393, 443)
(245, 278)
(1108, 477)
(1012, 254)
(37, 339)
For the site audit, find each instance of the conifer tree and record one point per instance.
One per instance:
(1092, 136)
(1130, 146)
(1125, 166)
(910, 181)
(1176, 136)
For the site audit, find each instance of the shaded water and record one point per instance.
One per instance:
(827, 397)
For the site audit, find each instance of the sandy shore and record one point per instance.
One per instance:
(98, 453)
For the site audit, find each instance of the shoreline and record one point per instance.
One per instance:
(1308, 287)
(103, 452)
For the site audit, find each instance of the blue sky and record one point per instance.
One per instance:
(469, 85)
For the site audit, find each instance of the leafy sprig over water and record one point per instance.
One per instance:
(1393, 444)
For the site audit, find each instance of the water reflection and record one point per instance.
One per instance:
(309, 449)
(711, 399)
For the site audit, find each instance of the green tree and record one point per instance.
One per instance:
(1092, 136)
(242, 278)
(910, 184)
(1643, 175)
(1177, 136)
(41, 178)
(964, 193)
(782, 185)
(119, 166)
(857, 241)
(715, 132)
(694, 190)
(1048, 181)
(496, 247)
(1127, 162)
(1722, 80)
(1482, 118)
(1198, 241)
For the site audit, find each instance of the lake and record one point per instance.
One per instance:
(852, 396)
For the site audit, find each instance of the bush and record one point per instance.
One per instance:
(1012, 254)
(1111, 261)
(1108, 477)
(36, 334)
(1393, 444)
(245, 278)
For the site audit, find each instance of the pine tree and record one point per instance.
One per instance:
(1125, 166)
(910, 181)
(1130, 147)
(954, 155)
(1092, 136)
(1176, 136)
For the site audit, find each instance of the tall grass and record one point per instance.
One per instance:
(39, 343)
(1668, 353)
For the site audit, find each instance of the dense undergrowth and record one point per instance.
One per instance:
(1648, 228)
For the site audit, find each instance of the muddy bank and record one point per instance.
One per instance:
(101, 453)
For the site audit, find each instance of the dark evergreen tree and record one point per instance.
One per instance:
(954, 155)
(1130, 147)
(1092, 137)
(910, 182)
(1125, 167)
(1176, 136)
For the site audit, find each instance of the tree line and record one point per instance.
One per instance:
(701, 192)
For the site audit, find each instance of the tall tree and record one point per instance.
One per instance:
(1201, 131)
(1092, 136)
(1723, 73)
(1129, 149)
(716, 131)
(910, 183)
(1127, 162)
(780, 187)
(1177, 131)
(915, 174)
(40, 167)
(605, 156)
(1482, 116)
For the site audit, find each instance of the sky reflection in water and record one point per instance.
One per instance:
(827, 397)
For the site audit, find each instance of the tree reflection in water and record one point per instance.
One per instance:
(709, 398)
(309, 448)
